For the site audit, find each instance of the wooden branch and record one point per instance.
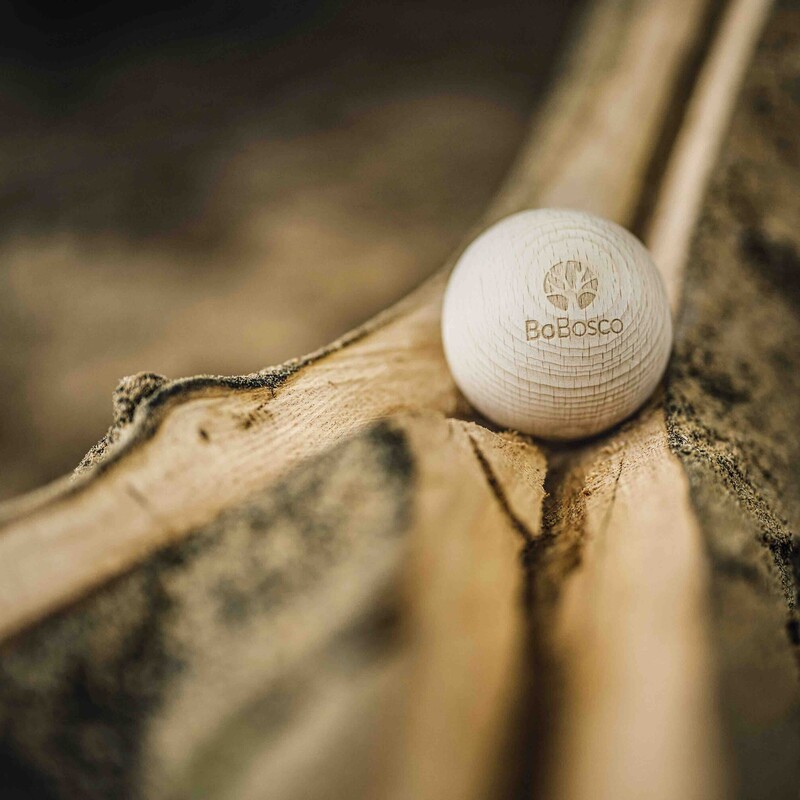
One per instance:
(633, 640)
(696, 148)
(302, 621)
(196, 446)
(280, 621)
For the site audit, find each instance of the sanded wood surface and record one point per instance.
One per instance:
(432, 608)
(631, 636)
(556, 323)
(149, 489)
(261, 655)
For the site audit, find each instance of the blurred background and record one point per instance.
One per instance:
(216, 187)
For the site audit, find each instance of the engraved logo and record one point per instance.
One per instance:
(570, 283)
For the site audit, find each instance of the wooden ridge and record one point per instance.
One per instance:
(421, 509)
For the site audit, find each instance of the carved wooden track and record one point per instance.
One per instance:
(331, 579)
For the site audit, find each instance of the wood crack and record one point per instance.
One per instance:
(142, 501)
(499, 493)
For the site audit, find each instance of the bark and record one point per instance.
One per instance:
(733, 415)
(330, 579)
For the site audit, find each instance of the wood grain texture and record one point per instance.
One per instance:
(556, 323)
(630, 638)
(280, 652)
(633, 640)
(197, 445)
(387, 654)
(259, 185)
(646, 689)
(696, 147)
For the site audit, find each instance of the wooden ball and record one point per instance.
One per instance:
(556, 323)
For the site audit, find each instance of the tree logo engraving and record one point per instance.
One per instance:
(570, 283)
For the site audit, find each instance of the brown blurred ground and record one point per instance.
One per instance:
(223, 204)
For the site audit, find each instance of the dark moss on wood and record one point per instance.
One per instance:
(733, 412)
(82, 693)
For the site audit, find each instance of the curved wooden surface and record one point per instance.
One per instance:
(331, 579)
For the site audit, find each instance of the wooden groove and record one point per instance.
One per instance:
(632, 639)
(54, 549)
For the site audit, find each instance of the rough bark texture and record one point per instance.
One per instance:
(734, 416)
(287, 619)
(432, 608)
(199, 445)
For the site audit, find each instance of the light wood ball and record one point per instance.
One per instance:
(556, 323)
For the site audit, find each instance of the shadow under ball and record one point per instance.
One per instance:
(556, 323)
